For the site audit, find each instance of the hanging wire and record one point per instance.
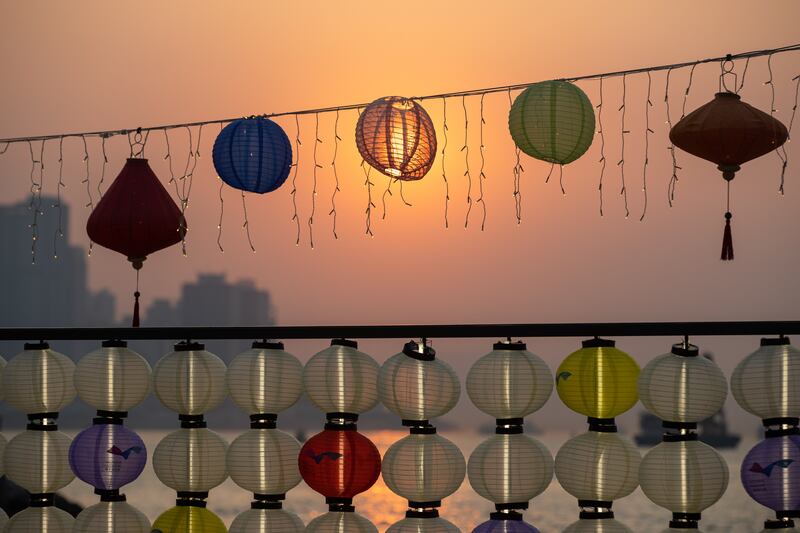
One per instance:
(296, 166)
(623, 190)
(517, 172)
(186, 183)
(444, 168)
(103, 169)
(221, 209)
(368, 184)
(647, 132)
(388, 192)
(168, 157)
(87, 181)
(317, 142)
(688, 89)
(781, 150)
(602, 159)
(673, 180)
(59, 233)
(336, 189)
(482, 175)
(246, 225)
(5, 148)
(36, 196)
(796, 79)
(465, 149)
(744, 73)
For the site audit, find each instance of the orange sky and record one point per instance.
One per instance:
(99, 65)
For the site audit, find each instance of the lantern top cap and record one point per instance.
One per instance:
(344, 342)
(727, 94)
(685, 350)
(509, 345)
(36, 346)
(778, 341)
(398, 102)
(597, 342)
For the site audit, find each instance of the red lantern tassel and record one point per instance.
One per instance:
(727, 239)
(135, 323)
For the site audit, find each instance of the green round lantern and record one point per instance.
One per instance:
(552, 121)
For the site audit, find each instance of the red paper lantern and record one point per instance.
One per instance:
(339, 463)
(728, 132)
(136, 217)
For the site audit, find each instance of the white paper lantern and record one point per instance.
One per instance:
(38, 461)
(683, 476)
(598, 466)
(597, 525)
(3, 519)
(765, 383)
(509, 382)
(334, 522)
(2, 389)
(264, 461)
(265, 379)
(113, 378)
(423, 525)
(3, 443)
(267, 521)
(415, 385)
(423, 467)
(191, 460)
(190, 380)
(340, 379)
(39, 380)
(510, 468)
(40, 520)
(111, 517)
(681, 386)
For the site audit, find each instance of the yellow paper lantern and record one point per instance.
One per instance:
(189, 519)
(598, 380)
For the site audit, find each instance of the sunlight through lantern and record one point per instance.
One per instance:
(190, 380)
(136, 217)
(253, 154)
(552, 121)
(505, 524)
(765, 383)
(265, 379)
(267, 521)
(412, 524)
(39, 380)
(189, 519)
(598, 380)
(598, 525)
(48, 519)
(396, 137)
(729, 133)
(264, 461)
(684, 476)
(107, 456)
(112, 517)
(340, 379)
(113, 378)
(682, 387)
(771, 474)
(38, 460)
(338, 522)
(191, 460)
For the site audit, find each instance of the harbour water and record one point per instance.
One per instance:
(552, 511)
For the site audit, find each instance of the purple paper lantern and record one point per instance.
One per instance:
(107, 456)
(771, 473)
(505, 526)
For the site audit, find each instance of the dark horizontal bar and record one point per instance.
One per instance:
(606, 329)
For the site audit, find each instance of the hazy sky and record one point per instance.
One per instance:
(97, 65)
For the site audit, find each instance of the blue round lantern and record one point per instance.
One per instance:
(513, 524)
(107, 456)
(253, 154)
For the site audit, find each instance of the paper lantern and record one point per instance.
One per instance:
(3, 520)
(415, 385)
(505, 526)
(267, 521)
(598, 380)
(771, 473)
(253, 154)
(189, 519)
(765, 382)
(423, 468)
(683, 476)
(38, 461)
(729, 133)
(423, 525)
(598, 466)
(111, 517)
(2, 368)
(48, 519)
(113, 378)
(552, 121)
(136, 217)
(511, 468)
(340, 379)
(509, 381)
(339, 464)
(191, 460)
(3, 443)
(39, 380)
(264, 461)
(396, 137)
(682, 387)
(339, 522)
(107, 456)
(265, 379)
(597, 525)
(190, 380)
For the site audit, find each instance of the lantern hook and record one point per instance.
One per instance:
(726, 68)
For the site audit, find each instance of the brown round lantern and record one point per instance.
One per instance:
(728, 132)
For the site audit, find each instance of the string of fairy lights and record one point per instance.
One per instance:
(182, 182)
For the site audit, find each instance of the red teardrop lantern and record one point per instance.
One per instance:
(339, 464)
(728, 132)
(136, 217)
